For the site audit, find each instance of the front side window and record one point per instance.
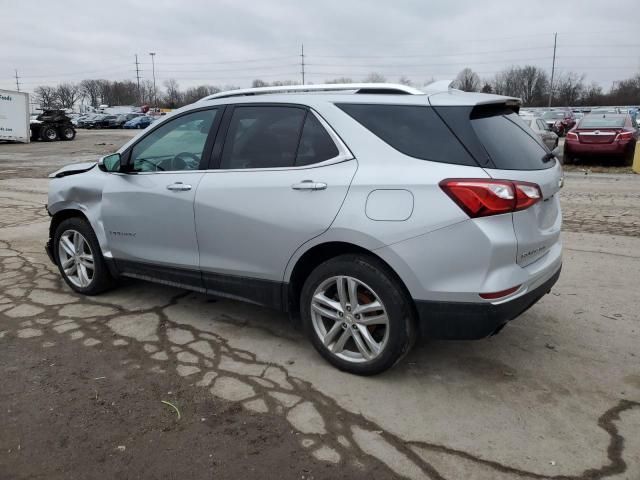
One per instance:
(262, 137)
(177, 145)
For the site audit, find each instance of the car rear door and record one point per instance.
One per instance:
(515, 153)
(280, 176)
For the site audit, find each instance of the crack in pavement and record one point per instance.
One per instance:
(35, 297)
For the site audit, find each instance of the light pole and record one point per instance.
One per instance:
(153, 68)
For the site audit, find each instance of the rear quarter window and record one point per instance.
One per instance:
(508, 141)
(416, 131)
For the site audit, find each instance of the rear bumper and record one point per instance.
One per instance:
(469, 321)
(615, 148)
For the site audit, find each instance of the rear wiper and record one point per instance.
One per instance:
(547, 157)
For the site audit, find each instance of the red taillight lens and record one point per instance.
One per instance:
(572, 136)
(624, 136)
(483, 198)
(500, 294)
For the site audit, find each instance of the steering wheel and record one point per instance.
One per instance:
(185, 161)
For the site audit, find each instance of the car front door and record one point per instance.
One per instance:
(281, 176)
(148, 211)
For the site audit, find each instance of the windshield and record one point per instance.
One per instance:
(602, 122)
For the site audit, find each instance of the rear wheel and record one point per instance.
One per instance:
(67, 133)
(79, 257)
(49, 134)
(357, 314)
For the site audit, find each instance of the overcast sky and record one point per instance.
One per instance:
(231, 42)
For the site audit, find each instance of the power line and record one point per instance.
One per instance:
(302, 62)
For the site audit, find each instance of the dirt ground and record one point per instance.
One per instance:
(555, 395)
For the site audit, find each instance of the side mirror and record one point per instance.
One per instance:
(110, 163)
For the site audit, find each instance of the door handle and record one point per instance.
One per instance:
(179, 187)
(309, 185)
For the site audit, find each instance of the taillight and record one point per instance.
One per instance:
(572, 136)
(624, 136)
(500, 294)
(483, 198)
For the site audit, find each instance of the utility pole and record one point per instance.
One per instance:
(553, 67)
(17, 81)
(302, 62)
(138, 78)
(153, 67)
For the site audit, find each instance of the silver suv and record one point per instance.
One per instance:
(373, 212)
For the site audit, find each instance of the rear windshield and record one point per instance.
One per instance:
(414, 130)
(552, 115)
(508, 141)
(602, 122)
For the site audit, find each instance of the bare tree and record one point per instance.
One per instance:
(340, 80)
(405, 81)
(90, 89)
(570, 88)
(46, 96)
(173, 97)
(68, 94)
(467, 80)
(194, 94)
(375, 77)
(259, 83)
(486, 88)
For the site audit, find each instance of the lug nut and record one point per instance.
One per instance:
(354, 326)
(340, 314)
(348, 308)
(357, 316)
(344, 325)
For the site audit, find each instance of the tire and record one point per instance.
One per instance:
(568, 158)
(627, 159)
(49, 134)
(374, 282)
(67, 134)
(96, 282)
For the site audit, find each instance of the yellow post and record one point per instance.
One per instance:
(636, 159)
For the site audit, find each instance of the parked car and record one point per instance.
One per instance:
(542, 130)
(81, 121)
(560, 121)
(602, 111)
(371, 214)
(139, 122)
(121, 119)
(608, 135)
(95, 121)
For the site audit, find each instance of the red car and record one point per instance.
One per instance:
(608, 135)
(559, 121)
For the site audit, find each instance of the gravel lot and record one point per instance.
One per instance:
(555, 395)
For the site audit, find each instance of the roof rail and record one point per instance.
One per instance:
(388, 88)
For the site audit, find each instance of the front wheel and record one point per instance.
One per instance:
(357, 315)
(79, 257)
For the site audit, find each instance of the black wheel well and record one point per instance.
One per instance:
(61, 216)
(319, 254)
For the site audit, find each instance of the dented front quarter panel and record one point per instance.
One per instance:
(81, 192)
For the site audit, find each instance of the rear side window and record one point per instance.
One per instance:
(414, 130)
(315, 144)
(508, 142)
(262, 137)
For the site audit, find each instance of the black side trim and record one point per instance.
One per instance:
(267, 293)
(181, 277)
(470, 321)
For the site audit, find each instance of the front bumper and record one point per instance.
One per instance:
(470, 321)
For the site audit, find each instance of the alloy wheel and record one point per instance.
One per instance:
(350, 319)
(76, 258)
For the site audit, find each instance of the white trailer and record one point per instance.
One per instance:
(14, 116)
